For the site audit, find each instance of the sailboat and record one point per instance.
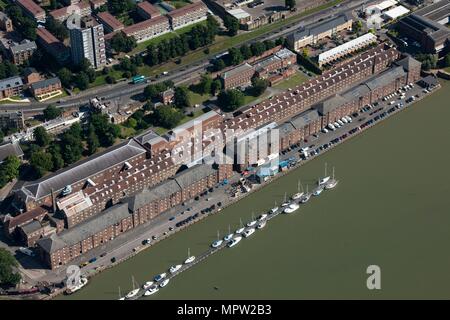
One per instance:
(253, 222)
(332, 183)
(319, 189)
(325, 178)
(285, 203)
(189, 258)
(274, 209)
(133, 293)
(218, 242)
(306, 196)
(229, 236)
(299, 193)
(241, 229)
(120, 295)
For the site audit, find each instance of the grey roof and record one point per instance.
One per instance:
(11, 82)
(86, 229)
(356, 92)
(45, 83)
(84, 169)
(432, 29)
(435, 11)
(320, 27)
(385, 78)
(409, 63)
(194, 174)
(160, 191)
(239, 69)
(10, 149)
(305, 118)
(23, 46)
(330, 104)
(430, 80)
(51, 244)
(29, 70)
(285, 128)
(148, 137)
(31, 227)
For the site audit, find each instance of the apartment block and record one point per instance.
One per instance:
(22, 52)
(32, 9)
(109, 22)
(10, 87)
(187, 15)
(147, 11)
(148, 29)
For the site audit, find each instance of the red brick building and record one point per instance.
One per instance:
(238, 77)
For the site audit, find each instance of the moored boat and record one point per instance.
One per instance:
(293, 207)
(234, 242)
(147, 285)
(73, 288)
(175, 268)
(247, 233)
(261, 225)
(164, 283)
(152, 290)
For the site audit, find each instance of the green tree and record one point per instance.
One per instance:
(216, 86)
(205, 84)
(121, 43)
(259, 86)
(65, 75)
(181, 98)
(82, 81)
(57, 29)
(55, 150)
(289, 4)
(41, 136)
(8, 264)
(92, 140)
(230, 100)
(219, 64)
(9, 170)
(246, 51)
(167, 117)
(41, 162)
(357, 26)
(232, 25)
(235, 56)
(51, 112)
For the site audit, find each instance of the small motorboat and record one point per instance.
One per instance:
(164, 283)
(153, 289)
(175, 268)
(247, 233)
(189, 260)
(274, 209)
(318, 191)
(240, 230)
(159, 277)
(261, 225)
(293, 207)
(251, 223)
(285, 204)
(147, 285)
(81, 284)
(234, 242)
(216, 243)
(262, 217)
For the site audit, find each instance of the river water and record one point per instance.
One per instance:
(391, 209)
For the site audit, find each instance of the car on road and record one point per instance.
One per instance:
(171, 218)
(154, 237)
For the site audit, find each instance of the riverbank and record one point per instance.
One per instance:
(391, 211)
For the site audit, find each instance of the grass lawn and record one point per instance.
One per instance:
(100, 80)
(178, 3)
(291, 82)
(197, 113)
(198, 98)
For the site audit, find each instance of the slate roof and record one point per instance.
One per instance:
(160, 191)
(330, 104)
(10, 149)
(11, 82)
(31, 227)
(45, 83)
(305, 118)
(192, 175)
(239, 69)
(83, 169)
(320, 27)
(385, 78)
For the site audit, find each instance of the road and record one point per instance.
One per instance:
(182, 74)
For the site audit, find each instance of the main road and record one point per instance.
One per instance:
(185, 73)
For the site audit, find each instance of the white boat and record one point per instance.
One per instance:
(159, 277)
(332, 183)
(251, 223)
(261, 225)
(274, 209)
(262, 217)
(189, 258)
(293, 207)
(325, 178)
(164, 283)
(216, 243)
(234, 242)
(297, 196)
(175, 268)
(73, 288)
(147, 285)
(240, 230)
(306, 196)
(247, 233)
(120, 295)
(285, 204)
(318, 191)
(133, 293)
(153, 289)
(228, 237)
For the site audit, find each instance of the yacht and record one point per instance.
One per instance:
(175, 268)
(306, 196)
(71, 289)
(261, 225)
(189, 258)
(248, 232)
(274, 209)
(153, 289)
(318, 191)
(262, 217)
(147, 285)
(240, 230)
(164, 283)
(120, 295)
(293, 207)
(133, 293)
(332, 183)
(299, 193)
(285, 204)
(228, 237)
(251, 223)
(159, 277)
(325, 178)
(216, 243)
(234, 242)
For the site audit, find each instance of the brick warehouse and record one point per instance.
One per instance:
(109, 179)
(59, 249)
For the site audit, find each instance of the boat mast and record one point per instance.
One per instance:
(132, 281)
(120, 294)
(189, 252)
(325, 169)
(333, 173)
